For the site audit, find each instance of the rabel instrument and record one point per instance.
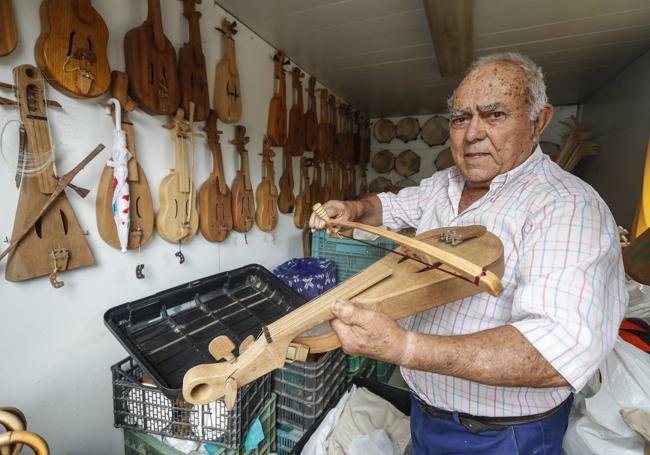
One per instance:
(277, 124)
(243, 202)
(227, 92)
(266, 194)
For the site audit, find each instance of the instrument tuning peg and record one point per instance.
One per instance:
(222, 347)
(248, 341)
(220, 29)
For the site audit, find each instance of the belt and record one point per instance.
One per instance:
(477, 424)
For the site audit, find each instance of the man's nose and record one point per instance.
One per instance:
(476, 129)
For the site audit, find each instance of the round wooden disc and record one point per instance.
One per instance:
(444, 159)
(405, 183)
(408, 129)
(383, 161)
(379, 185)
(384, 130)
(435, 131)
(407, 163)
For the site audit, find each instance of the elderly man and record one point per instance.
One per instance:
(495, 375)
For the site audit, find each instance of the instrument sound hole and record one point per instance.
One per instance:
(70, 43)
(137, 207)
(29, 72)
(90, 44)
(64, 221)
(176, 208)
(37, 228)
(151, 73)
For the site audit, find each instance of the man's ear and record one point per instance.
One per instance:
(542, 121)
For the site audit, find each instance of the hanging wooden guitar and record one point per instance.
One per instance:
(303, 201)
(8, 38)
(286, 199)
(193, 75)
(311, 119)
(439, 266)
(178, 220)
(151, 64)
(215, 216)
(71, 49)
(56, 242)
(243, 204)
(227, 93)
(277, 126)
(266, 194)
(317, 189)
(141, 203)
(324, 139)
(334, 127)
(296, 139)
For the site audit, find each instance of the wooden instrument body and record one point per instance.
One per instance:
(286, 199)
(392, 286)
(296, 139)
(316, 188)
(243, 202)
(311, 119)
(277, 124)
(140, 199)
(193, 74)
(177, 220)
(215, 200)
(266, 194)
(57, 235)
(227, 92)
(71, 49)
(303, 201)
(150, 61)
(334, 128)
(324, 139)
(8, 36)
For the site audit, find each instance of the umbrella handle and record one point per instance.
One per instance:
(118, 112)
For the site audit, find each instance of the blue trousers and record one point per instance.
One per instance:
(437, 436)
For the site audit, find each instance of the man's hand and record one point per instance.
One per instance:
(337, 211)
(369, 333)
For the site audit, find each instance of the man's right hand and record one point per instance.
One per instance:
(337, 211)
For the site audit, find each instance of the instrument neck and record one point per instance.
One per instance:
(154, 18)
(245, 168)
(195, 29)
(86, 12)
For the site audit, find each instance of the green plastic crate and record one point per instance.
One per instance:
(288, 437)
(351, 256)
(383, 371)
(140, 443)
(356, 364)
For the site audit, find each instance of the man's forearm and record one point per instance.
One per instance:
(500, 357)
(369, 210)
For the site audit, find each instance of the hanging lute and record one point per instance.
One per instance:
(437, 267)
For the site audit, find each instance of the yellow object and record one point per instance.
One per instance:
(642, 217)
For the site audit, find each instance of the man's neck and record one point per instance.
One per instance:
(471, 194)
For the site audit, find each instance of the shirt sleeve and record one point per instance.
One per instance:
(571, 294)
(405, 208)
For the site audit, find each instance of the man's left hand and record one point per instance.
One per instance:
(368, 333)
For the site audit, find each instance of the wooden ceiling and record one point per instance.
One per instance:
(378, 54)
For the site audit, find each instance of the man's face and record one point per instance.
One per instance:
(490, 130)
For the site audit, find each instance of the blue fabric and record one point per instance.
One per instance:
(436, 436)
(311, 277)
(254, 436)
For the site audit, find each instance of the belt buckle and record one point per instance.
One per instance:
(476, 426)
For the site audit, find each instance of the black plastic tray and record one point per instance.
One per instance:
(168, 333)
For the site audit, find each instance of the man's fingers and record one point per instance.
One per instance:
(350, 314)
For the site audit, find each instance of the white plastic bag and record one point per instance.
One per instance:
(596, 426)
(377, 443)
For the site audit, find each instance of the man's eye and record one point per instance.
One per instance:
(497, 114)
(458, 120)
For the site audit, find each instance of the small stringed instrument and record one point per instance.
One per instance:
(56, 242)
(303, 201)
(215, 217)
(311, 119)
(266, 194)
(71, 49)
(334, 127)
(178, 220)
(151, 65)
(439, 266)
(243, 204)
(316, 189)
(227, 93)
(140, 200)
(277, 125)
(324, 150)
(193, 75)
(286, 199)
(296, 139)
(8, 38)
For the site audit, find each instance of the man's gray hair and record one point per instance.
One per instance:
(536, 85)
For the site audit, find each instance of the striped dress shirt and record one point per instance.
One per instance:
(563, 286)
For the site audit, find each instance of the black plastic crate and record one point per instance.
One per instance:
(146, 408)
(168, 333)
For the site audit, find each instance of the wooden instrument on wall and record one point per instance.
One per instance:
(324, 140)
(243, 204)
(437, 267)
(266, 194)
(363, 186)
(296, 138)
(8, 37)
(227, 93)
(215, 216)
(71, 49)
(56, 242)
(178, 220)
(333, 117)
(151, 65)
(277, 126)
(286, 199)
(311, 119)
(140, 200)
(317, 190)
(193, 76)
(303, 201)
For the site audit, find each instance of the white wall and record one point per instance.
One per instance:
(56, 350)
(428, 154)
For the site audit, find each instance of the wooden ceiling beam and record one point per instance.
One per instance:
(451, 28)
